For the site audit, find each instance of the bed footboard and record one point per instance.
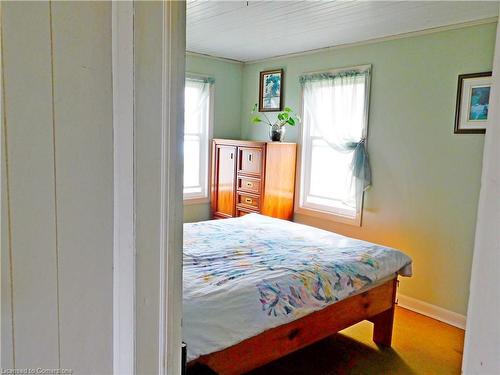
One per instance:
(376, 305)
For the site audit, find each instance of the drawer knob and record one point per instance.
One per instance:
(248, 200)
(249, 184)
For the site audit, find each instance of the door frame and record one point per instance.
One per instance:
(173, 73)
(122, 25)
(169, 284)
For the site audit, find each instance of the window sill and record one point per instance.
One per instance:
(329, 216)
(193, 201)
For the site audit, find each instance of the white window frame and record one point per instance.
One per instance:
(318, 210)
(197, 198)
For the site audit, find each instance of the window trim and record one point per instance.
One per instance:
(300, 174)
(194, 198)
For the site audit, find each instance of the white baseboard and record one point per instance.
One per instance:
(432, 311)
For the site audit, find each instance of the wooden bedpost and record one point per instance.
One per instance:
(382, 327)
(383, 322)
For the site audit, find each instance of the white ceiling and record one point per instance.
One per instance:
(263, 29)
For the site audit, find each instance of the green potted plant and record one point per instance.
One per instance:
(276, 129)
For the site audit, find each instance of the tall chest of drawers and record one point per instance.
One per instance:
(250, 176)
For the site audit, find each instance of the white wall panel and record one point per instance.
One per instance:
(27, 84)
(58, 106)
(482, 337)
(84, 165)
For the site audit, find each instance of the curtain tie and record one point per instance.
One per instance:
(360, 164)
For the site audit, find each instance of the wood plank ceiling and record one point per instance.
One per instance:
(254, 30)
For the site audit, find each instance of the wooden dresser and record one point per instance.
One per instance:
(250, 176)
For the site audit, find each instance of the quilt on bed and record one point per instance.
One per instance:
(245, 275)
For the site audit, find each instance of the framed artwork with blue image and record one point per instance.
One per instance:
(473, 99)
(271, 91)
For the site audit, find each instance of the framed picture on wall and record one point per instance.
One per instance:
(473, 98)
(271, 91)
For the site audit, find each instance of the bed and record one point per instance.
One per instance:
(257, 288)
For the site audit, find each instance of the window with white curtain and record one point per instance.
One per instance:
(198, 115)
(334, 164)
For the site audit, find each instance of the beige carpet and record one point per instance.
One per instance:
(420, 346)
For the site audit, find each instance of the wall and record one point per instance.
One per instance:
(425, 178)
(227, 108)
(57, 193)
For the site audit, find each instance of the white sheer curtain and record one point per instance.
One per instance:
(196, 129)
(335, 110)
(339, 102)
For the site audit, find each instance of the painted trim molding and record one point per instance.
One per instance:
(212, 57)
(124, 205)
(432, 311)
(171, 187)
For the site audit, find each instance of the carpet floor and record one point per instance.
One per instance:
(420, 345)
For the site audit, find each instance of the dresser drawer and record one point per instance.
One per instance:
(249, 184)
(250, 160)
(248, 200)
(242, 211)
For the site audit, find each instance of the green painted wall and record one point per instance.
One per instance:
(425, 178)
(227, 108)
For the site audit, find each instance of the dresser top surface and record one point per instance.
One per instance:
(248, 143)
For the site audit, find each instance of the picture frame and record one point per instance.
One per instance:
(271, 90)
(473, 96)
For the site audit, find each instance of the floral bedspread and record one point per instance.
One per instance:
(245, 275)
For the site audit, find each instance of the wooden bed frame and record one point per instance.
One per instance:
(376, 305)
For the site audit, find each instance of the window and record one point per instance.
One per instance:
(335, 114)
(198, 110)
